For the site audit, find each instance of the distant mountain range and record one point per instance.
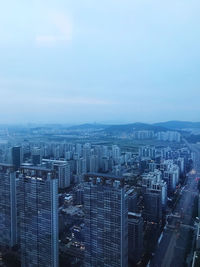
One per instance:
(111, 129)
(134, 127)
(179, 125)
(156, 127)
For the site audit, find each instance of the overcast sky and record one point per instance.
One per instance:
(108, 61)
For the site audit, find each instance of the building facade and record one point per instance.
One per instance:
(16, 156)
(8, 206)
(38, 215)
(153, 205)
(135, 237)
(106, 221)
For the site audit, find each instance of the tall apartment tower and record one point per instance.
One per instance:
(135, 237)
(132, 200)
(36, 156)
(153, 205)
(38, 204)
(62, 171)
(16, 156)
(8, 210)
(106, 221)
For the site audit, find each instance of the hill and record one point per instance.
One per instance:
(177, 125)
(133, 127)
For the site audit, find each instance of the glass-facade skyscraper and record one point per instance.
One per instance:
(106, 221)
(38, 215)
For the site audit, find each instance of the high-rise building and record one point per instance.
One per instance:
(94, 163)
(36, 156)
(135, 237)
(8, 211)
(170, 136)
(62, 170)
(153, 180)
(132, 200)
(105, 164)
(79, 149)
(181, 163)
(63, 174)
(147, 151)
(116, 153)
(171, 175)
(80, 166)
(106, 221)
(38, 215)
(153, 205)
(78, 193)
(16, 157)
(116, 170)
(87, 154)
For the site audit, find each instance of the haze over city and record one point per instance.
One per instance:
(104, 61)
(99, 133)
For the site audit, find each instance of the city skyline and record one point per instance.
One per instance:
(99, 133)
(122, 196)
(110, 61)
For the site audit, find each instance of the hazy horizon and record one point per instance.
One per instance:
(106, 61)
(29, 124)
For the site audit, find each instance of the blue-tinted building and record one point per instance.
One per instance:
(38, 215)
(152, 205)
(16, 157)
(106, 221)
(8, 210)
(135, 237)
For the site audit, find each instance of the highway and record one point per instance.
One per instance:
(172, 248)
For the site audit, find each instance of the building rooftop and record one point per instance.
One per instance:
(55, 161)
(36, 168)
(134, 214)
(5, 166)
(39, 172)
(103, 176)
(105, 179)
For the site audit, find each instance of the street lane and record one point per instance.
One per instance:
(173, 245)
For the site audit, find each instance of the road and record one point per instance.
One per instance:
(173, 246)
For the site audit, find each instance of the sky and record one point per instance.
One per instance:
(108, 61)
